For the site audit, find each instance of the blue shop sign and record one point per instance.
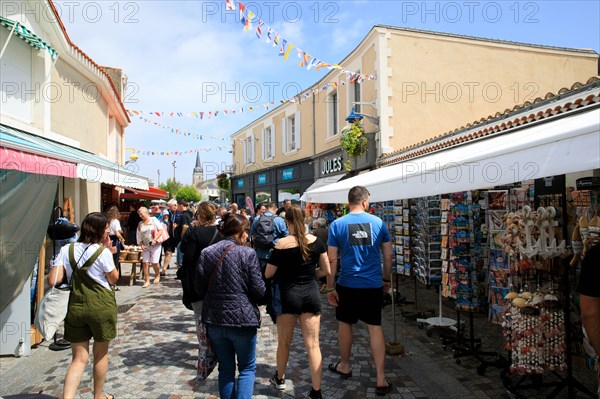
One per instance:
(287, 174)
(240, 182)
(262, 179)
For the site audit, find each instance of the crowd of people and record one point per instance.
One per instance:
(229, 266)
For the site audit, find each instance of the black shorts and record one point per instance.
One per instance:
(359, 304)
(301, 298)
(170, 244)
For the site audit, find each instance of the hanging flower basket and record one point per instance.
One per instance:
(354, 142)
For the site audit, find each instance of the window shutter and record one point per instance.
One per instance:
(298, 131)
(252, 148)
(263, 143)
(273, 135)
(283, 136)
(246, 151)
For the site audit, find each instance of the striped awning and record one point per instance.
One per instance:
(88, 166)
(28, 36)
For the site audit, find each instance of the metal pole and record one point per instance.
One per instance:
(158, 171)
(174, 167)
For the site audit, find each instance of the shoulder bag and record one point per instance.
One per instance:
(52, 310)
(160, 233)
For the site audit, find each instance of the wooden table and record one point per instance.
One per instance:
(134, 263)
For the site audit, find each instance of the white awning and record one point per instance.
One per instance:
(324, 181)
(566, 145)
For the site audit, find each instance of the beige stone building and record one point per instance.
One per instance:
(426, 84)
(62, 125)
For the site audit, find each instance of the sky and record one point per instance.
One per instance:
(192, 56)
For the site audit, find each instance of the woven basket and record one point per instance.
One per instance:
(133, 256)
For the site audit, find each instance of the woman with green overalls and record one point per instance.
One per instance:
(89, 268)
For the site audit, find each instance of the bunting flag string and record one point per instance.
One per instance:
(149, 153)
(232, 112)
(306, 60)
(201, 114)
(178, 131)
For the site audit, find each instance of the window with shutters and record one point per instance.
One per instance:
(354, 96)
(332, 114)
(249, 150)
(292, 134)
(268, 145)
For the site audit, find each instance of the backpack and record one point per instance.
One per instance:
(264, 231)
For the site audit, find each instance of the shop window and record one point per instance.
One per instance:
(332, 114)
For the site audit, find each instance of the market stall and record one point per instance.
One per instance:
(489, 215)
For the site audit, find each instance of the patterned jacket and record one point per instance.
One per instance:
(236, 288)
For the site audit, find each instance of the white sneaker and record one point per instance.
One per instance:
(279, 383)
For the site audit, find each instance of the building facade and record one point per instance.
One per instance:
(62, 125)
(426, 83)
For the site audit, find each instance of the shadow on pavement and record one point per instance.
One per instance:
(180, 353)
(29, 396)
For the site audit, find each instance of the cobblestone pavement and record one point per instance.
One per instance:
(155, 353)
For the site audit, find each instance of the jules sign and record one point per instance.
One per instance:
(332, 165)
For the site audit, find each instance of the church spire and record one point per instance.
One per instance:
(198, 167)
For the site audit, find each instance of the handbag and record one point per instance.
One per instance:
(60, 228)
(160, 235)
(207, 359)
(52, 310)
(54, 307)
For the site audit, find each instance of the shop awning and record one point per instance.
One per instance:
(150, 194)
(27, 36)
(37, 164)
(566, 145)
(322, 182)
(89, 166)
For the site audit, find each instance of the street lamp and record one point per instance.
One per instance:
(158, 171)
(133, 157)
(359, 116)
(174, 167)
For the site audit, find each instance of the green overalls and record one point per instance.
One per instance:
(92, 308)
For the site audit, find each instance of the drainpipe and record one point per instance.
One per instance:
(314, 133)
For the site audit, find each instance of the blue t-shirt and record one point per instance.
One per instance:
(358, 238)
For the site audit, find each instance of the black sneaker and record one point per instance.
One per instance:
(315, 394)
(278, 382)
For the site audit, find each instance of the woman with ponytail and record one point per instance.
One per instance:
(299, 260)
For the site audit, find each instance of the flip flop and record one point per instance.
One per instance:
(156, 280)
(381, 391)
(146, 284)
(333, 367)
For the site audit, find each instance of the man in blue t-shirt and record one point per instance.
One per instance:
(358, 240)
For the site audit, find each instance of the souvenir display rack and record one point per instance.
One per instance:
(427, 246)
(386, 211)
(538, 326)
(497, 209)
(402, 236)
(426, 240)
(468, 261)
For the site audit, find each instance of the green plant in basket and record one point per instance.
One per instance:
(353, 142)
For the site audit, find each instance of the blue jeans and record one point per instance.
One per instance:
(179, 258)
(229, 343)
